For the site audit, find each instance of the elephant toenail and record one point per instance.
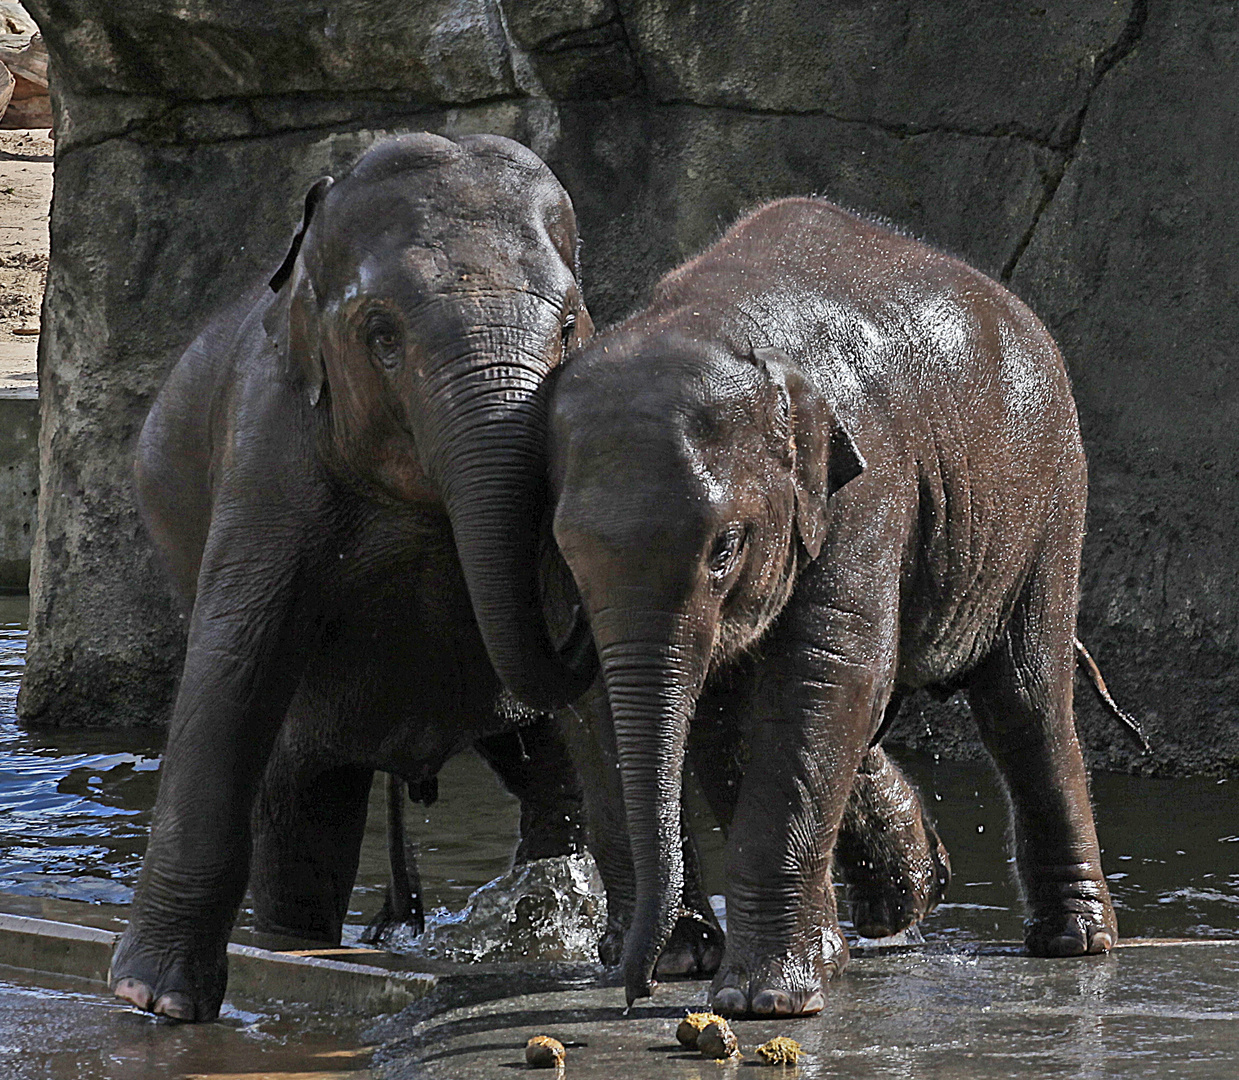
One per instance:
(1102, 942)
(175, 1006)
(772, 1001)
(134, 991)
(729, 1002)
(815, 1004)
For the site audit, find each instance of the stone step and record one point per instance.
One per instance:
(254, 975)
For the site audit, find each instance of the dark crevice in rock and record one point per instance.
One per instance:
(1122, 47)
(509, 46)
(159, 126)
(643, 84)
(148, 128)
(899, 131)
(585, 39)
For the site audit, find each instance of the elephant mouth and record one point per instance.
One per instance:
(576, 646)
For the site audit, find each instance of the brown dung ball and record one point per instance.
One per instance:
(780, 1051)
(543, 1052)
(691, 1027)
(717, 1040)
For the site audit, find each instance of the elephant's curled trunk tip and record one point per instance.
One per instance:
(638, 982)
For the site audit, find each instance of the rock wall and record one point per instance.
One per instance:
(19, 488)
(1079, 150)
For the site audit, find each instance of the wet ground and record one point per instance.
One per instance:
(74, 815)
(50, 1030)
(1145, 1012)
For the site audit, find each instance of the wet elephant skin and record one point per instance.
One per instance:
(343, 475)
(826, 466)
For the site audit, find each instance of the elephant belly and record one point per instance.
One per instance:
(939, 647)
(401, 680)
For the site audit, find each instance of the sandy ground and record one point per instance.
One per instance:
(25, 195)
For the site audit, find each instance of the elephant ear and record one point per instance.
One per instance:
(290, 321)
(825, 456)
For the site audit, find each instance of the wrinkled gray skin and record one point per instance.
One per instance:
(826, 466)
(345, 475)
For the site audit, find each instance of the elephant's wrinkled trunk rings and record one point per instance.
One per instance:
(650, 661)
(495, 496)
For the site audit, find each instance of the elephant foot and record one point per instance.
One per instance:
(611, 944)
(163, 982)
(1076, 919)
(694, 950)
(888, 852)
(885, 904)
(784, 987)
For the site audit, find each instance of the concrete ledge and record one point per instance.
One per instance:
(260, 975)
(58, 948)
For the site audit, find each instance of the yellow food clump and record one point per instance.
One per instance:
(692, 1026)
(780, 1051)
(717, 1040)
(543, 1052)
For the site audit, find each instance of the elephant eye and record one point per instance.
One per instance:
(568, 330)
(727, 547)
(383, 339)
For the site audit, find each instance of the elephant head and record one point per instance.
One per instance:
(690, 481)
(425, 298)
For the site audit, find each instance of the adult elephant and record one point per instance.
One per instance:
(826, 466)
(344, 476)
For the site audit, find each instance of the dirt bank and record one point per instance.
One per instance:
(25, 195)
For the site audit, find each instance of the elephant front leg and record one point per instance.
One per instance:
(533, 763)
(245, 655)
(812, 717)
(695, 948)
(895, 866)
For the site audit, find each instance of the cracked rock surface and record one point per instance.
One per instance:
(1079, 149)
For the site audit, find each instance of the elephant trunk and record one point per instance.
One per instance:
(493, 481)
(652, 678)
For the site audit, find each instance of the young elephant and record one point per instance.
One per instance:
(344, 474)
(827, 465)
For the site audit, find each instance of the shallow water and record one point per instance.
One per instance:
(75, 811)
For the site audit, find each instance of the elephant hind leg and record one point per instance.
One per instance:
(308, 831)
(894, 865)
(1021, 696)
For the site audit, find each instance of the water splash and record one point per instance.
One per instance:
(548, 909)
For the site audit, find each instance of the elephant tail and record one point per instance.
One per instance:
(1129, 722)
